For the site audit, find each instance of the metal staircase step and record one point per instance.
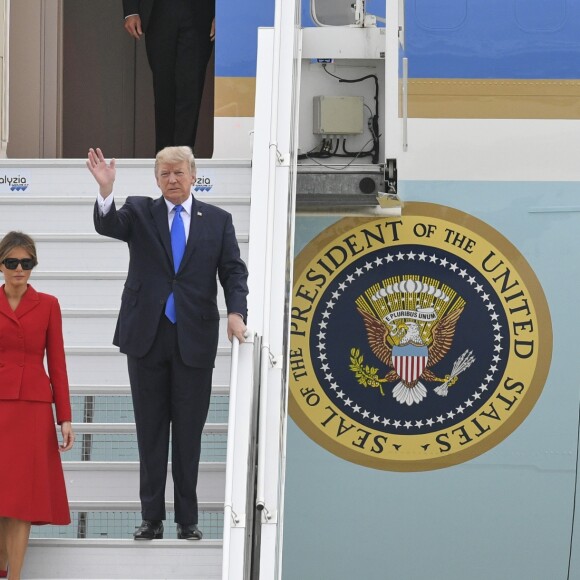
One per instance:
(79, 213)
(102, 481)
(125, 389)
(70, 178)
(105, 365)
(117, 520)
(88, 251)
(123, 559)
(84, 327)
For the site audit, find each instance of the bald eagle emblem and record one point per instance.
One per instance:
(410, 323)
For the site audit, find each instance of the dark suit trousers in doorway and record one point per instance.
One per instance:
(168, 392)
(178, 49)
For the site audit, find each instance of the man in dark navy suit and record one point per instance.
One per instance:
(168, 323)
(179, 37)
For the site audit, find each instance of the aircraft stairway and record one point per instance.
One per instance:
(86, 272)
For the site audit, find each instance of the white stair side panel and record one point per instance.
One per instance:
(64, 177)
(94, 330)
(111, 369)
(59, 216)
(74, 292)
(119, 482)
(89, 253)
(123, 559)
(83, 331)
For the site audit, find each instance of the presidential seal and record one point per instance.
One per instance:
(417, 342)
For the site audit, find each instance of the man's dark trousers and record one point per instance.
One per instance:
(166, 390)
(178, 45)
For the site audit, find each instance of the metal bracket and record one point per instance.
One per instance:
(276, 362)
(249, 336)
(390, 198)
(279, 156)
(359, 12)
(238, 521)
(269, 517)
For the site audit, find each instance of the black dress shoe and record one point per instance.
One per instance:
(188, 532)
(149, 530)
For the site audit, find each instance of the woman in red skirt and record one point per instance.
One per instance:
(32, 488)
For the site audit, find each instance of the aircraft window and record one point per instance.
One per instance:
(540, 15)
(448, 15)
(334, 12)
(340, 12)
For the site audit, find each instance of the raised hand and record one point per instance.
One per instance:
(104, 174)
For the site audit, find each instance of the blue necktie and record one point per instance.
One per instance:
(178, 249)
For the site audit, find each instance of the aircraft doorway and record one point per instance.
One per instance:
(81, 82)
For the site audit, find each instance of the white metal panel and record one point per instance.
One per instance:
(233, 137)
(75, 290)
(98, 330)
(492, 150)
(134, 177)
(67, 215)
(82, 331)
(359, 43)
(123, 559)
(111, 369)
(108, 482)
(88, 253)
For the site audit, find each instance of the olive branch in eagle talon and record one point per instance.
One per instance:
(365, 375)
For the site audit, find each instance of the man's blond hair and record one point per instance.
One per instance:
(175, 155)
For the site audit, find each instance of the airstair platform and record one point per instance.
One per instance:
(53, 202)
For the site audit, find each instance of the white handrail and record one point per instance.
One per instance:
(230, 453)
(274, 160)
(267, 288)
(240, 460)
(260, 486)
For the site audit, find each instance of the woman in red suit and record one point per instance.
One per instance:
(32, 488)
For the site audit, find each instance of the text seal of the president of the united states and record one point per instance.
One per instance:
(417, 342)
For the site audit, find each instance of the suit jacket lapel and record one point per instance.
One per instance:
(159, 211)
(29, 301)
(5, 309)
(195, 227)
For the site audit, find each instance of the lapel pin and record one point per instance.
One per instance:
(199, 213)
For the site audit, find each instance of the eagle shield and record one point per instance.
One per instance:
(410, 361)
